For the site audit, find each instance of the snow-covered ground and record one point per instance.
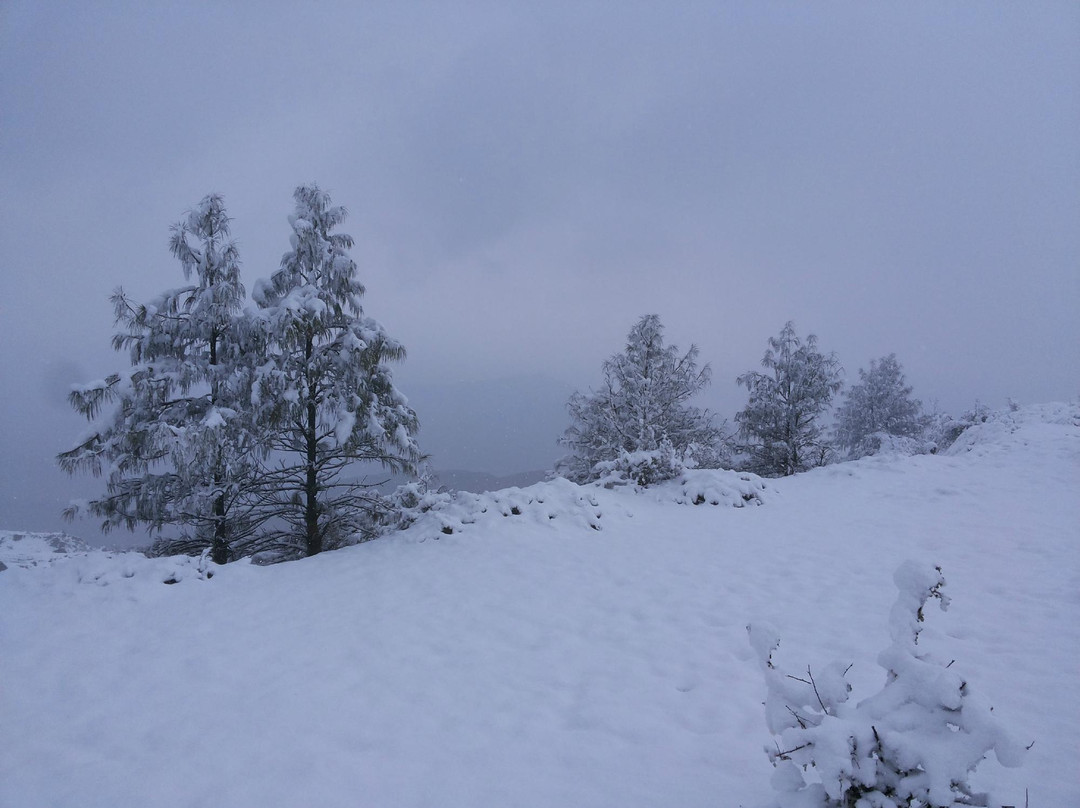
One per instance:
(561, 646)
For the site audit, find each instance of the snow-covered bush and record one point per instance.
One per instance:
(736, 489)
(913, 744)
(558, 503)
(641, 468)
(410, 501)
(940, 430)
(883, 443)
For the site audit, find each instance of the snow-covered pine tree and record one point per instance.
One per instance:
(175, 450)
(324, 396)
(780, 427)
(642, 408)
(879, 405)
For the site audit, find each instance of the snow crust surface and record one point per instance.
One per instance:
(589, 649)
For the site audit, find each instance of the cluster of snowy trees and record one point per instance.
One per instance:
(238, 430)
(641, 427)
(235, 430)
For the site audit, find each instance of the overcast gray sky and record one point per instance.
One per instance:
(526, 180)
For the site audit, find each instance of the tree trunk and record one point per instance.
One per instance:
(219, 550)
(311, 490)
(311, 485)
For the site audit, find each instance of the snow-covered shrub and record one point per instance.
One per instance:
(913, 744)
(736, 489)
(641, 468)
(557, 503)
(882, 443)
(940, 431)
(410, 501)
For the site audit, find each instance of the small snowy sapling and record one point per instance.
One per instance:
(913, 744)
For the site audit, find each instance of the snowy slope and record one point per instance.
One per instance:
(597, 658)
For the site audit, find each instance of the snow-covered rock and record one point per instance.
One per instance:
(78, 562)
(27, 549)
(560, 504)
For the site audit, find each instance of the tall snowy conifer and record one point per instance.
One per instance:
(175, 451)
(324, 395)
(781, 425)
(641, 407)
(880, 404)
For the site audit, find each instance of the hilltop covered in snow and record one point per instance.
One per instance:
(550, 645)
(25, 548)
